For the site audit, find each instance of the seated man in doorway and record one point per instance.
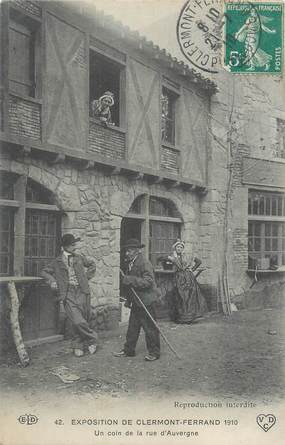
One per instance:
(140, 277)
(67, 275)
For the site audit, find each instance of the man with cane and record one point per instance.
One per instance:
(142, 294)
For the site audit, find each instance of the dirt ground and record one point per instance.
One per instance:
(241, 356)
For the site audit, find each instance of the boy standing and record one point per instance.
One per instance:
(68, 276)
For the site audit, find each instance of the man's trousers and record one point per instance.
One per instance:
(78, 311)
(139, 319)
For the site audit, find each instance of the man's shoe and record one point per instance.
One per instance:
(78, 352)
(92, 349)
(122, 354)
(151, 358)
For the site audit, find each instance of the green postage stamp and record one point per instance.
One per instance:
(253, 37)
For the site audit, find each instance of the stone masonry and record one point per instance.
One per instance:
(93, 205)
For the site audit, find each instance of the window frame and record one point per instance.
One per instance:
(20, 206)
(120, 62)
(174, 95)
(34, 25)
(147, 219)
(10, 254)
(256, 216)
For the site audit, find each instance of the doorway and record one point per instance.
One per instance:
(130, 228)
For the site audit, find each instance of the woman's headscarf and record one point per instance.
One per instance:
(179, 242)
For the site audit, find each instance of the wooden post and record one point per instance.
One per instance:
(19, 226)
(145, 225)
(15, 326)
(5, 66)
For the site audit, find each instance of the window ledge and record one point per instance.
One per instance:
(24, 97)
(250, 271)
(163, 271)
(169, 145)
(108, 127)
(19, 279)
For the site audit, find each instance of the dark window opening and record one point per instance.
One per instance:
(38, 194)
(105, 76)
(168, 100)
(23, 34)
(6, 241)
(7, 181)
(266, 204)
(162, 207)
(158, 228)
(162, 236)
(266, 230)
(136, 206)
(42, 239)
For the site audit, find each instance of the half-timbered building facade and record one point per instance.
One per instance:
(143, 175)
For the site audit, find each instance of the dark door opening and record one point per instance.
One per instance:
(130, 228)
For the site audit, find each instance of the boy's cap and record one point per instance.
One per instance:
(68, 239)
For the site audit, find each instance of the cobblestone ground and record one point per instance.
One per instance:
(222, 357)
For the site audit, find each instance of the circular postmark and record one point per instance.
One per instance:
(199, 33)
(204, 30)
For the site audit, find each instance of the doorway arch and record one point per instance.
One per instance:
(156, 223)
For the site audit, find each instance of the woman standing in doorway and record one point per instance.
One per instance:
(189, 303)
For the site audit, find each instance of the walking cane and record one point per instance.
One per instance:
(152, 319)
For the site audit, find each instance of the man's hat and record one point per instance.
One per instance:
(133, 242)
(68, 239)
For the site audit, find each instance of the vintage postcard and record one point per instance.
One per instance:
(142, 222)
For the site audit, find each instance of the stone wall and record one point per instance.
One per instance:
(244, 115)
(93, 206)
(244, 112)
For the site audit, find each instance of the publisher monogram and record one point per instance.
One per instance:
(28, 419)
(266, 421)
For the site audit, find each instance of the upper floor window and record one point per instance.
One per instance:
(168, 99)
(266, 230)
(280, 143)
(23, 51)
(105, 89)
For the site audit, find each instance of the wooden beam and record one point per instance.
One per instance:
(58, 158)
(15, 325)
(86, 165)
(136, 176)
(9, 203)
(201, 190)
(156, 180)
(174, 184)
(27, 150)
(115, 171)
(38, 206)
(189, 187)
(19, 226)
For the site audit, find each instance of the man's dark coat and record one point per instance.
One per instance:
(141, 278)
(57, 271)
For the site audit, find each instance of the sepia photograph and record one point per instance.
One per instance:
(142, 222)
